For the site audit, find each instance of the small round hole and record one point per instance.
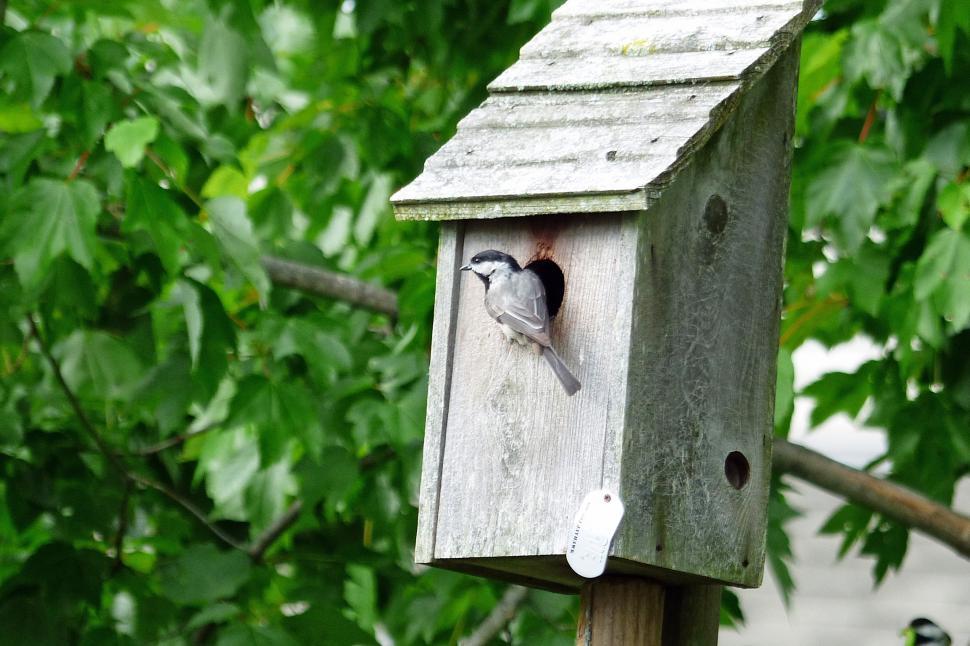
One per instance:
(553, 280)
(716, 214)
(744, 563)
(660, 548)
(607, 498)
(736, 469)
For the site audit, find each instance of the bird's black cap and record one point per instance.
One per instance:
(491, 255)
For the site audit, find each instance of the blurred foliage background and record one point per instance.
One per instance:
(189, 454)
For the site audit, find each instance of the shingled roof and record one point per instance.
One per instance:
(603, 108)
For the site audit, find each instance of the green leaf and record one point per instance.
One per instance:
(151, 209)
(229, 460)
(951, 17)
(375, 205)
(360, 593)
(99, 366)
(333, 476)
(954, 204)
(185, 293)
(18, 117)
(821, 65)
(223, 63)
(226, 180)
(887, 542)
(777, 545)
(49, 218)
(279, 411)
(214, 614)
(851, 186)
(127, 139)
(246, 635)
(840, 392)
(235, 234)
(203, 574)
(267, 494)
(784, 390)
(943, 271)
(33, 60)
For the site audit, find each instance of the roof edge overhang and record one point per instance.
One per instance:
(639, 199)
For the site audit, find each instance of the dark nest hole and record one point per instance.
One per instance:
(553, 280)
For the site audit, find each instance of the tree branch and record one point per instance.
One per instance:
(119, 542)
(188, 506)
(82, 417)
(323, 282)
(265, 540)
(116, 462)
(892, 500)
(175, 440)
(501, 614)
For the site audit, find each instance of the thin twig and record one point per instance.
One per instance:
(816, 309)
(892, 500)
(119, 542)
(82, 417)
(870, 119)
(189, 193)
(501, 614)
(265, 540)
(111, 456)
(79, 166)
(175, 440)
(188, 506)
(24, 352)
(324, 282)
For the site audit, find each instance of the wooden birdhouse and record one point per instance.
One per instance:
(639, 155)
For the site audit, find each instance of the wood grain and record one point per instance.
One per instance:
(692, 615)
(621, 611)
(519, 454)
(439, 386)
(606, 105)
(705, 341)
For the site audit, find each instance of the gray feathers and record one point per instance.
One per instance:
(516, 298)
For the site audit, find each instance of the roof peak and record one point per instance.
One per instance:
(606, 99)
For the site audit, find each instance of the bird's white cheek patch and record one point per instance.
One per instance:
(595, 524)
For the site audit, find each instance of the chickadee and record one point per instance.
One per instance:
(516, 298)
(924, 632)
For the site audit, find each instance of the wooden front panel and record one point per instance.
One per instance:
(517, 455)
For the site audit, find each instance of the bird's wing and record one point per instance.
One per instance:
(523, 307)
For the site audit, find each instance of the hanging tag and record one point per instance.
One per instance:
(589, 543)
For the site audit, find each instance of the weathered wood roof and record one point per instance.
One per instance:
(603, 108)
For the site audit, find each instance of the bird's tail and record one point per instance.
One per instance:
(569, 383)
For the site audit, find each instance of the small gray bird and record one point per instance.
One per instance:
(516, 298)
(923, 632)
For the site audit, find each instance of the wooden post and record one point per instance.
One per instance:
(631, 611)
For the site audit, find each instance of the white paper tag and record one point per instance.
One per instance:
(589, 542)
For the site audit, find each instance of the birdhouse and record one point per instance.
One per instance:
(637, 158)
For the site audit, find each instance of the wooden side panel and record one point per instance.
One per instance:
(439, 383)
(520, 455)
(702, 371)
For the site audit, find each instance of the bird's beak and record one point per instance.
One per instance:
(466, 268)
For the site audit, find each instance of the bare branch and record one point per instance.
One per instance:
(119, 542)
(188, 506)
(323, 282)
(175, 440)
(82, 417)
(265, 540)
(892, 500)
(116, 461)
(501, 614)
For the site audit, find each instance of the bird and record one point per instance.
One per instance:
(923, 632)
(516, 299)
